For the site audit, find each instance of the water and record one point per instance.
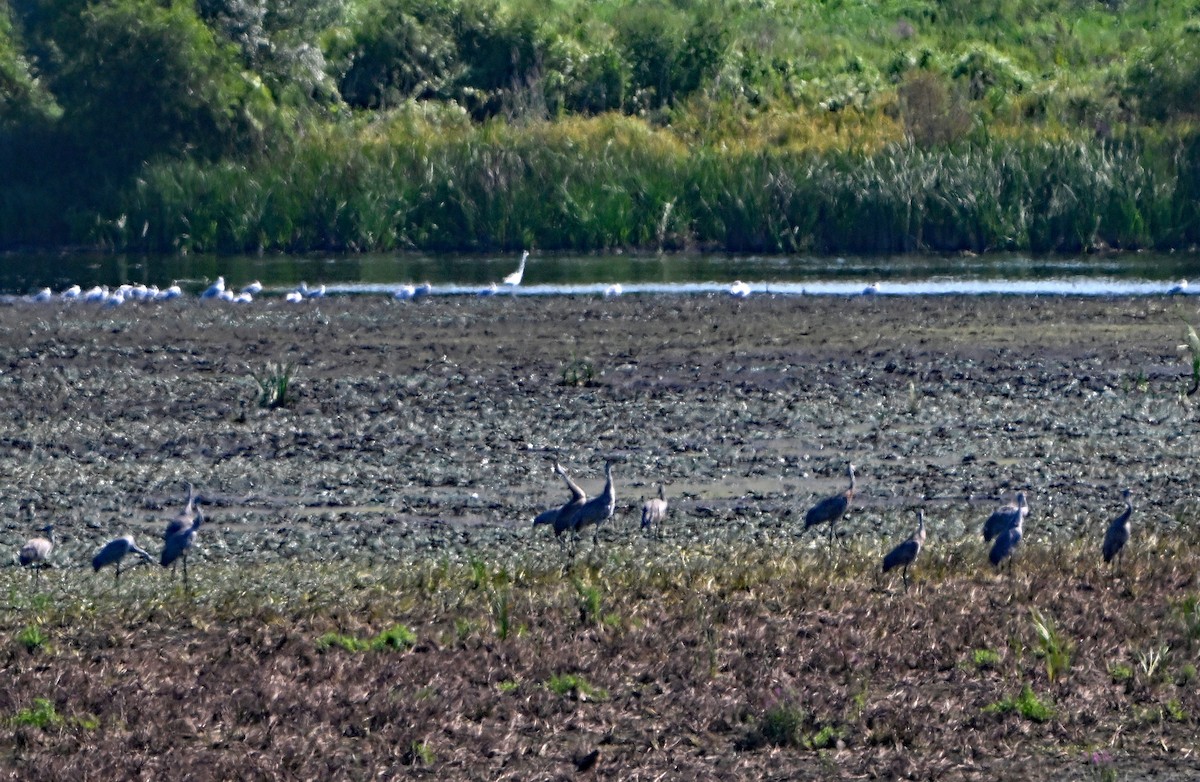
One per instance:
(554, 274)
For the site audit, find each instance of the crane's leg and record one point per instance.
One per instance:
(185, 578)
(905, 579)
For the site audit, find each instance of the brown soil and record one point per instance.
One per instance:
(418, 444)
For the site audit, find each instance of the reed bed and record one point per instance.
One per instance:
(617, 183)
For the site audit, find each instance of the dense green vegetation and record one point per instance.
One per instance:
(495, 124)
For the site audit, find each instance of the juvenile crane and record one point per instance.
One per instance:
(830, 509)
(36, 552)
(1118, 531)
(181, 533)
(1004, 518)
(598, 509)
(906, 553)
(114, 551)
(654, 510)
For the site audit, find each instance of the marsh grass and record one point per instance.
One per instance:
(1027, 704)
(274, 383)
(41, 714)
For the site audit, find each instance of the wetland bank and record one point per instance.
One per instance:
(395, 494)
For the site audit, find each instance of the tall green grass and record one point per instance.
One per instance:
(615, 182)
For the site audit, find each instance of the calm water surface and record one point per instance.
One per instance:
(559, 274)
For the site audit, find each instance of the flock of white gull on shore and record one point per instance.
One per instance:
(220, 291)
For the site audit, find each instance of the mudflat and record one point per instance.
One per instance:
(398, 484)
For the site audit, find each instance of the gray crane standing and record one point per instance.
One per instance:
(906, 553)
(1004, 518)
(830, 509)
(559, 517)
(114, 551)
(1008, 539)
(598, 509)
(181, 533)
(1118, 531)
(36, 552)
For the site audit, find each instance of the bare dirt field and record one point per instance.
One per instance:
(368, 597)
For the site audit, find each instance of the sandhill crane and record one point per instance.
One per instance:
(832, 508)
(654, 510)
(1005, 517)
(1009, 538)
(558, 517)
(906, 553)
(598, 509)
(1118, 531)
(114, 551)
(514, 279)
(181, 532)
(36, 551)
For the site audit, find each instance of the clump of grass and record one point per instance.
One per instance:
(1120, 673)
(508, 686)
(347, 642)
(1056, 649)
(578, 372)
(41, 714)
(571, 684)
(33, 639)
(501, 611)
(1027, 704)
(1150, 661)
(275, 384)
(783, 722)
(1188, 610)
(985, 658)
(589, 602)
(395, 637)
(1175, 710)
(420, 753)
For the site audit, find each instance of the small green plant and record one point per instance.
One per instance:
(1056, 649)
(420, 753)
(578, 372)
(508, 686)
(1175, 710)
(1151, 660)
(589, 602)
(463, 629)
(824, 738)
(783, 721)
(1120, 672)
(1027, 704)
(985, 658)
(571, 684)
(32, 638)
(395, 637)
(1188, 610)
(347, 642)
(501, 612)
(1187, 675)
(41, 715)
(479, 574)
(275, 384)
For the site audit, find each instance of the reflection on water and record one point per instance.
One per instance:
(1116, 274)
